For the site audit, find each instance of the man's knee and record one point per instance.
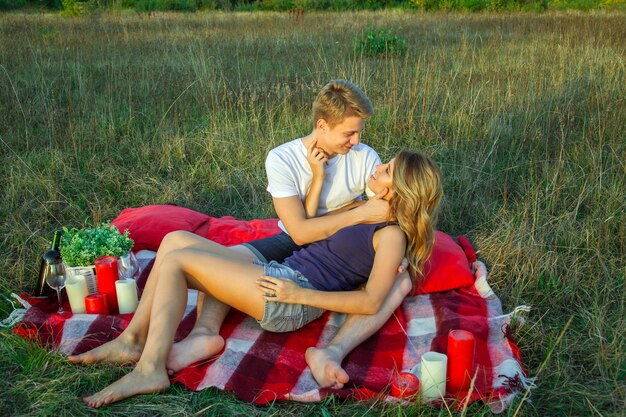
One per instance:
(404, 284)
(401, 288)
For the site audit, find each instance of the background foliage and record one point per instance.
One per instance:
(74, 7)
(524, 113)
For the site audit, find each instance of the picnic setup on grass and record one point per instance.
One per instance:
(449, 344)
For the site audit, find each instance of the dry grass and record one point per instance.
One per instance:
(524, 113)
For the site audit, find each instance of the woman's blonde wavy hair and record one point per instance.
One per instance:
(418, 191)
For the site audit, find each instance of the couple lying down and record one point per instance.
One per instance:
(282, 297)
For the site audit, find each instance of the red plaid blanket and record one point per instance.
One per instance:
(261, 367)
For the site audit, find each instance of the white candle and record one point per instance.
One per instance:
(126, 295)
(76, 288)
(88, 272)
(433, 376)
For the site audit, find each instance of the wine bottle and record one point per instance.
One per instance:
(42, 289)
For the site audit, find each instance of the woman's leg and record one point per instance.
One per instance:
(127, 346)
(204, 340)
(232, 282)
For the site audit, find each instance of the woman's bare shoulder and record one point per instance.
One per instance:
(390, 235)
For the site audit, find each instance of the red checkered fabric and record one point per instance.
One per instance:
(262, 367)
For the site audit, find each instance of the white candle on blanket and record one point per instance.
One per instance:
(76, 288)
(433, 376)
(126, 295)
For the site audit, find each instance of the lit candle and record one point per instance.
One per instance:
(405, 385)
(433, 376)
(76, 288)
(106, 275)
(126, 295)
(461, 360)
(96, 304)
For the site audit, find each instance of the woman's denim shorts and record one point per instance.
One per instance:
(283, 317)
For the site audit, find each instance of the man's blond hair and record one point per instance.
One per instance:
(340, 99)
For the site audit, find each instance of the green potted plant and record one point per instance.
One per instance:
(79, 248)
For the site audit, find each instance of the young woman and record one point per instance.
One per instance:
(285, 297)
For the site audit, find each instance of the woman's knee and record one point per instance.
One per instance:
(177, 239)
(174, 265)
(171, 259)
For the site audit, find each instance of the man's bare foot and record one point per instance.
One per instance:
(137, 382)
(193, 348)
(120, 351)
(326, 367)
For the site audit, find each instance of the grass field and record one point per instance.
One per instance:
(524, 113)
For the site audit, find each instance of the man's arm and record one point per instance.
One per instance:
(305, 230)
(346, 207)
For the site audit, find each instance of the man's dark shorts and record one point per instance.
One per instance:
(273, 248)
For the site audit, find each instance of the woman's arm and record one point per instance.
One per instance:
(389, 243)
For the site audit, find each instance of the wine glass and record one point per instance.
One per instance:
(55, 278)
(128, 266)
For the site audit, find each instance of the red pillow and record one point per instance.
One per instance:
(148, 225)
(229, 231)
(447, 268)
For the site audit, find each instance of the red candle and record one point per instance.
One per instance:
(405, 385)
(460, 360)
(106, 275)
(96, 304)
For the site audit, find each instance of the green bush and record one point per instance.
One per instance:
(278, 5)
(180, 5)
(71, 8)
(127, 4)
(245, 7)
(344, 5)
(313, 4)
(210, 4)
(472, 5)
(381, 41)
(146, 5)
(164, 5)
(614, 4)
(12, 4)
(575, 4)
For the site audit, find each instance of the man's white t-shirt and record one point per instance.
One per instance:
(289, 174)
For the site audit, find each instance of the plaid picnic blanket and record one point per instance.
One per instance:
(262, 367)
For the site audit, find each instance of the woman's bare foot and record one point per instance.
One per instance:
(121, 351)
(325, 365)
(193, 348)
(137, 382)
